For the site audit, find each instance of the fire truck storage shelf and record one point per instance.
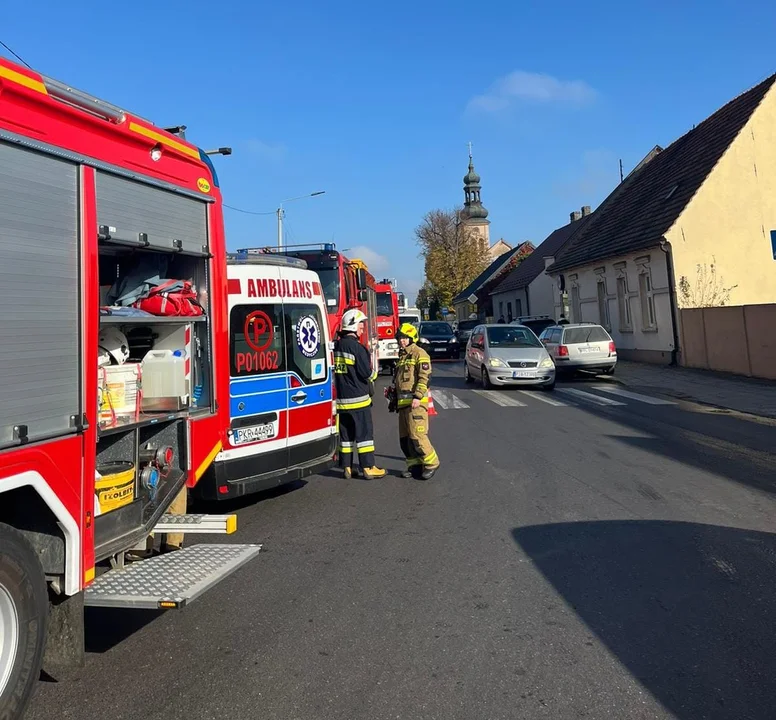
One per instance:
(168, 581)
(148, 320)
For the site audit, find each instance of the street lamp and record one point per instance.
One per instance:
(280, 212)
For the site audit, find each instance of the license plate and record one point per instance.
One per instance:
(522, 374)
(589, 349)
(255, 433)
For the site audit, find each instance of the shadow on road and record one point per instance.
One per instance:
(107, 627)
(688, 609)
(240, 503)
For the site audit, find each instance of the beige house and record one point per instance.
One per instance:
(692, 225)
(499, 248)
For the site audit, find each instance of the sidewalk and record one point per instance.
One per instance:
(747, 395)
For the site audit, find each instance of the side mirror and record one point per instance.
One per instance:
(361, 281)
(362, 295)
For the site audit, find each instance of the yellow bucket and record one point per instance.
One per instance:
(116, 487)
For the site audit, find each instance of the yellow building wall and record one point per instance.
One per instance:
(729, 221)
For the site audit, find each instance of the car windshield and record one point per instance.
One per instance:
(331, 287)
(512, 337)
(436, 328)
(467, 324)
(384, 304)
(594, 333)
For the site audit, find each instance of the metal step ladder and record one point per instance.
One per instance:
(169, 581)
(201, 524)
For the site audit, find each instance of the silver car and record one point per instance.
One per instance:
(581, 346)
(508, 355)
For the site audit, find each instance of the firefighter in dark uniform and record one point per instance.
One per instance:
(410, 384)
(354, 378)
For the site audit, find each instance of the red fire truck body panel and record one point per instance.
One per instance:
(63, 468)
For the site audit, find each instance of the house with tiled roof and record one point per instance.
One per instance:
(527, 289)
(706, 202)
(475, 298)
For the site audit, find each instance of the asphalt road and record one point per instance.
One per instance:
(569, 560)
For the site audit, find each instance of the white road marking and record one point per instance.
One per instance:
(632, 395)
(545, 398)
(447, 401)
(588, 396)
(500, 398)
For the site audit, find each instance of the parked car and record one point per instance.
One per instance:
(439, 339)
(580, 346)
(465, 328)
(537, 323)
(508, 355)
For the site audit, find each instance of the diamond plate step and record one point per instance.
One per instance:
(224, 524)
(168, 581)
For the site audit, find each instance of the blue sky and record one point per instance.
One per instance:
(374, 102)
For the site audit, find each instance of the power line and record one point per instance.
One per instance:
(249, 212)
(18, 57)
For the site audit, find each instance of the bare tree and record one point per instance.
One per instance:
(708, 289)
(454, 257)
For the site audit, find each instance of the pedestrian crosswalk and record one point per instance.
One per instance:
(599, 394)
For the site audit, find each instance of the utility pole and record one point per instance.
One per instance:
(280, 213)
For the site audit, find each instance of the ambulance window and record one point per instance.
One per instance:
(256, 340)
(306, 343)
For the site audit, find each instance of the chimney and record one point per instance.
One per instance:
(576, 215)
(585, 210)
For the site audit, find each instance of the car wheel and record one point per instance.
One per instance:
(467, 376)
(609, 371)
(551, 386)
(486, 384)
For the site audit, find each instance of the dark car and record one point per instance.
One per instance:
(537, 323)
(439, 339)
(465, 328)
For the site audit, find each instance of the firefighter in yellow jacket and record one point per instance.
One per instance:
(410, 381)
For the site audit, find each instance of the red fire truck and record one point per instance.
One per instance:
(387, 324)
(346, 284)
(114, 392)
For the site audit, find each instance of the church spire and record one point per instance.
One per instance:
(473, 208)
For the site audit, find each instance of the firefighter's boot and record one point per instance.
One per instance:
(347, 473)
(373, 473)
(428, 473)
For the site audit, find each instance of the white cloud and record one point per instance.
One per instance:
(537, 88)
(378, 265)
(267, 151)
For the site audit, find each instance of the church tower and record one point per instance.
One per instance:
(474, 215)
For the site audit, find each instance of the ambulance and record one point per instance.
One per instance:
(282, 414)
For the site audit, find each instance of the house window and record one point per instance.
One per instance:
(647, 296)
(501, 310)
(623, 304)
(603, 306)
(576, 305)
(509, 312)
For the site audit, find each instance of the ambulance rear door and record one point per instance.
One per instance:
(257, 439)
(311, 420)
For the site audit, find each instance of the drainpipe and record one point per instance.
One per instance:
(527, 301)
(665, 246)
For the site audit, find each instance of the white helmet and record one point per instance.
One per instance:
(351, 320)
(114, 343)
